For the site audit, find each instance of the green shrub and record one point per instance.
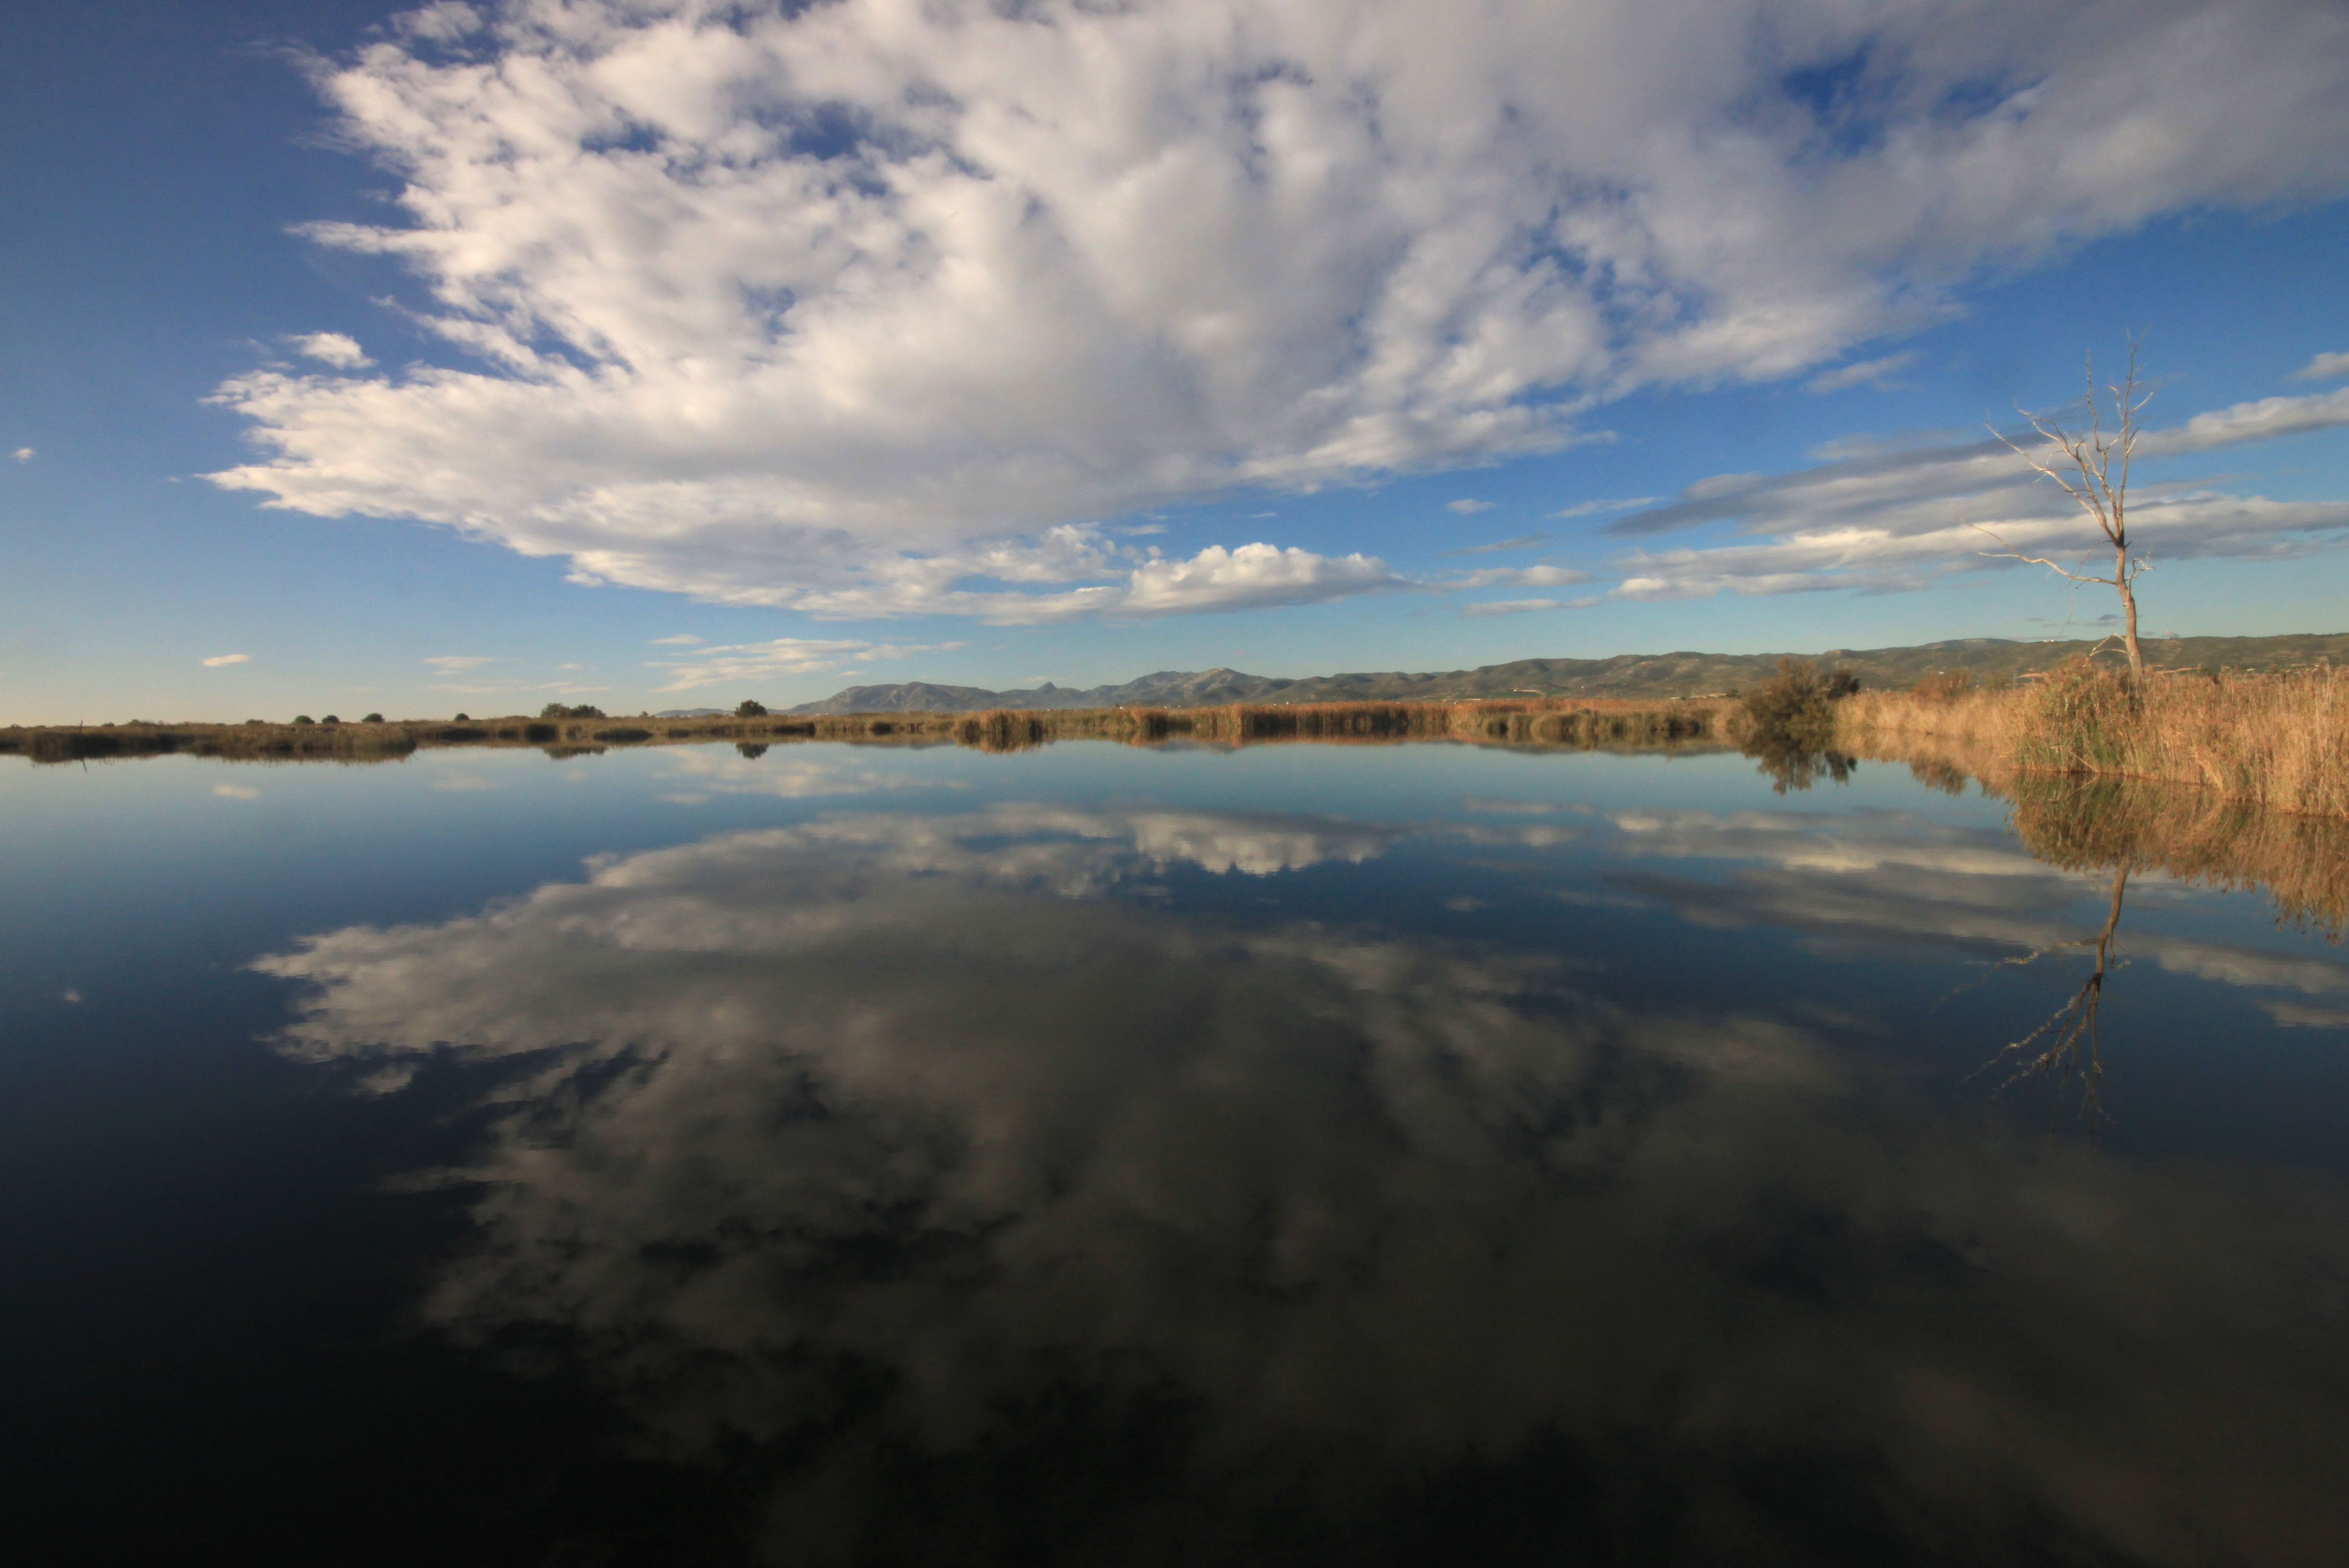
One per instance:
(556, 710)
(372, 718)
(304, 718)
(1795, 706)
(749, 709)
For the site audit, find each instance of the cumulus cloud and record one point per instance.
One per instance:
(333, 349)
(1876, 373)
(1253, 577)
(217, 660)
(24, 454)
(2324, 367)
(845, 307)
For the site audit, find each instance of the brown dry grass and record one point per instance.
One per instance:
(2281, 741)
(1558, 722)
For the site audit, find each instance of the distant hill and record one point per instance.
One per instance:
(1625, 674)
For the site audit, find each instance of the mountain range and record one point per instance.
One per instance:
(1623, 675)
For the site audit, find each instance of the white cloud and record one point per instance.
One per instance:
(443, 21)
(1254, 576)
(333, 349)
(1519, 577)
(1876, 373)
(217, 660)
(842, 307)
(1468, 506)
(2324, 367)
(684, 640)
(1523, 541)
(1596, 508)
(1887, 516)
(453, 664)
(1524, 606)
(781, 658)
(24, 454)
(2263, 421)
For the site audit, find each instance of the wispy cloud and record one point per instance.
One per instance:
(24, 454)
(333, 349)
(1525, 606)
(2324, 367)
(682, 640)
(218, 659)
(1598, 508)
(1517, 577)
(1889, 516)
(453, 664)
(746, 663)
(1523, 541)
(1464, 236)
(1876, 373)
(1467, 507)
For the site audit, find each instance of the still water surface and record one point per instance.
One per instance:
(1308, 1154)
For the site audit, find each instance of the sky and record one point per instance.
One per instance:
(661, 353)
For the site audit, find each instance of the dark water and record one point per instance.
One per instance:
(1311, 1154)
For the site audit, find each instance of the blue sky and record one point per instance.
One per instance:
(657, 355)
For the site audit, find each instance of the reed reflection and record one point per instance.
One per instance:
(920, 1175)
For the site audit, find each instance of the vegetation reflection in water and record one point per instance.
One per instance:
(2117, 826)
(937, 1179)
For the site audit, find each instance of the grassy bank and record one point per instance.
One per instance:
(2280, 741)
(1534, 722)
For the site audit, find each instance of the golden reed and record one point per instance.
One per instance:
(2280, 741)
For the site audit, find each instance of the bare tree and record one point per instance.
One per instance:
(2089, 458)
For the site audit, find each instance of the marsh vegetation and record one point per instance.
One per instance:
(2279, 740)
(1578, 723)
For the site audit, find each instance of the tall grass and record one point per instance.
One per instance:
(1543, 721)
(2279, 740)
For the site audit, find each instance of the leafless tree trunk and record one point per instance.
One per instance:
(2100, 492)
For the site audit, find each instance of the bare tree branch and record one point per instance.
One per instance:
(2092, 483)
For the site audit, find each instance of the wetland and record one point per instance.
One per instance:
(827, 1153)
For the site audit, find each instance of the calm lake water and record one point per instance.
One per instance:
(1363, 1154)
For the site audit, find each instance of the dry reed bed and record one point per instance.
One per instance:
(2281, 741)
(1565, 722)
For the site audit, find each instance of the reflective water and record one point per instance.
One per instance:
(1098, 1155)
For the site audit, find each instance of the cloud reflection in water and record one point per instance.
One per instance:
(910, 1154)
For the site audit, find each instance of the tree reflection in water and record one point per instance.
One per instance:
(2123, 826)
(1789, 766)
